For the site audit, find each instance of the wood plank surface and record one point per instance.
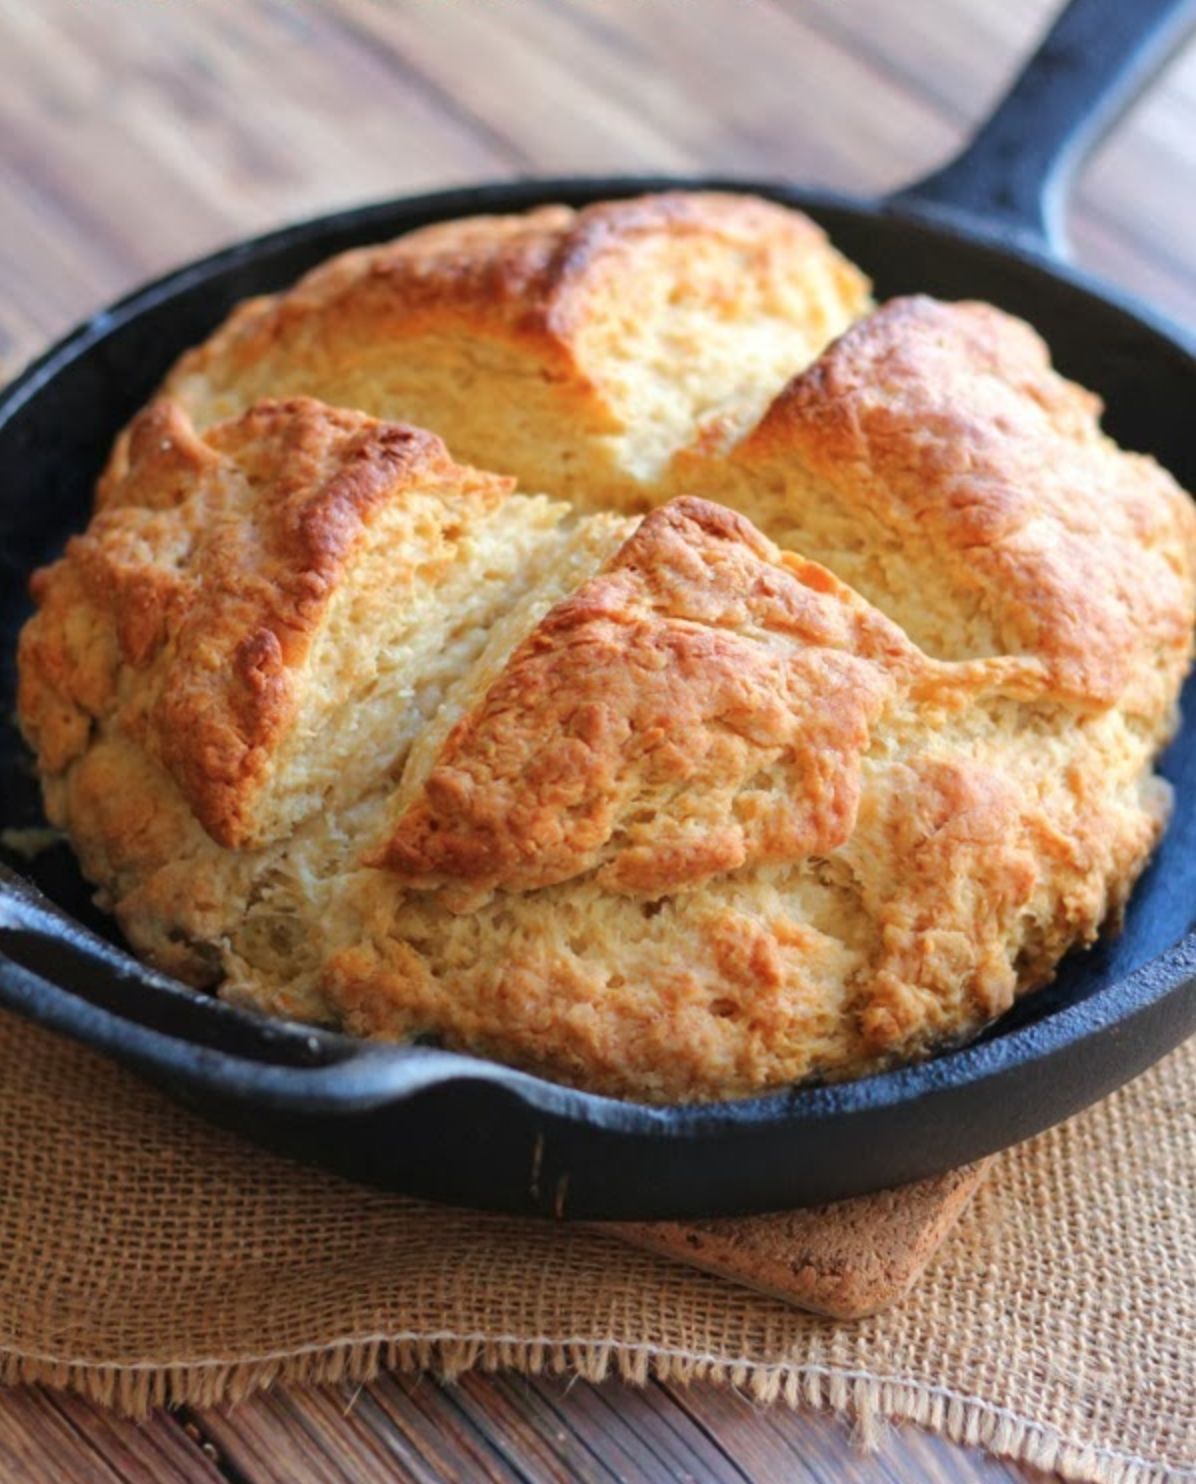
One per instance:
(54, 1436)
(517, 1429)
(137, 134)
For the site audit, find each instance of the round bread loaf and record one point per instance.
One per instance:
(600, 641)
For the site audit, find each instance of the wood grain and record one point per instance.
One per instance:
(514, 1429)
(134, 135)
(137, 134)
(58, 1437)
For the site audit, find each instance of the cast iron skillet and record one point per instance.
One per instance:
(429, 1122)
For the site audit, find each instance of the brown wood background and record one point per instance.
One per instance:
(137, 134)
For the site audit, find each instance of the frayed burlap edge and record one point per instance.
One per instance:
(868, 1402)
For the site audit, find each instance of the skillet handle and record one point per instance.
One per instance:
(1013, 177)
(51, 968)
(57, 974)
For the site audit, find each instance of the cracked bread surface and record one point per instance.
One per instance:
(699, 705)
(577, 350)
(811, 769)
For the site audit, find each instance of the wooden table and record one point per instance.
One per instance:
(135, 135)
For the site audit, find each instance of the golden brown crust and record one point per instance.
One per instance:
(539, 278)
(491, 275)
(946, 423)
(215, 561)
(699, 706)
(985, 850)
(544, 344)
(812, 770)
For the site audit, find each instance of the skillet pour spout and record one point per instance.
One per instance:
(432, 1123)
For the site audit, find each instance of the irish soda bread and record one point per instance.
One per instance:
(601, 641)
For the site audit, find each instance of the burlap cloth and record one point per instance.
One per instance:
(145, 1257)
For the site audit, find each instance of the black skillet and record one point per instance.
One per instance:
(429, 1122)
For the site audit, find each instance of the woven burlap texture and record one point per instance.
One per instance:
(145, 1257)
